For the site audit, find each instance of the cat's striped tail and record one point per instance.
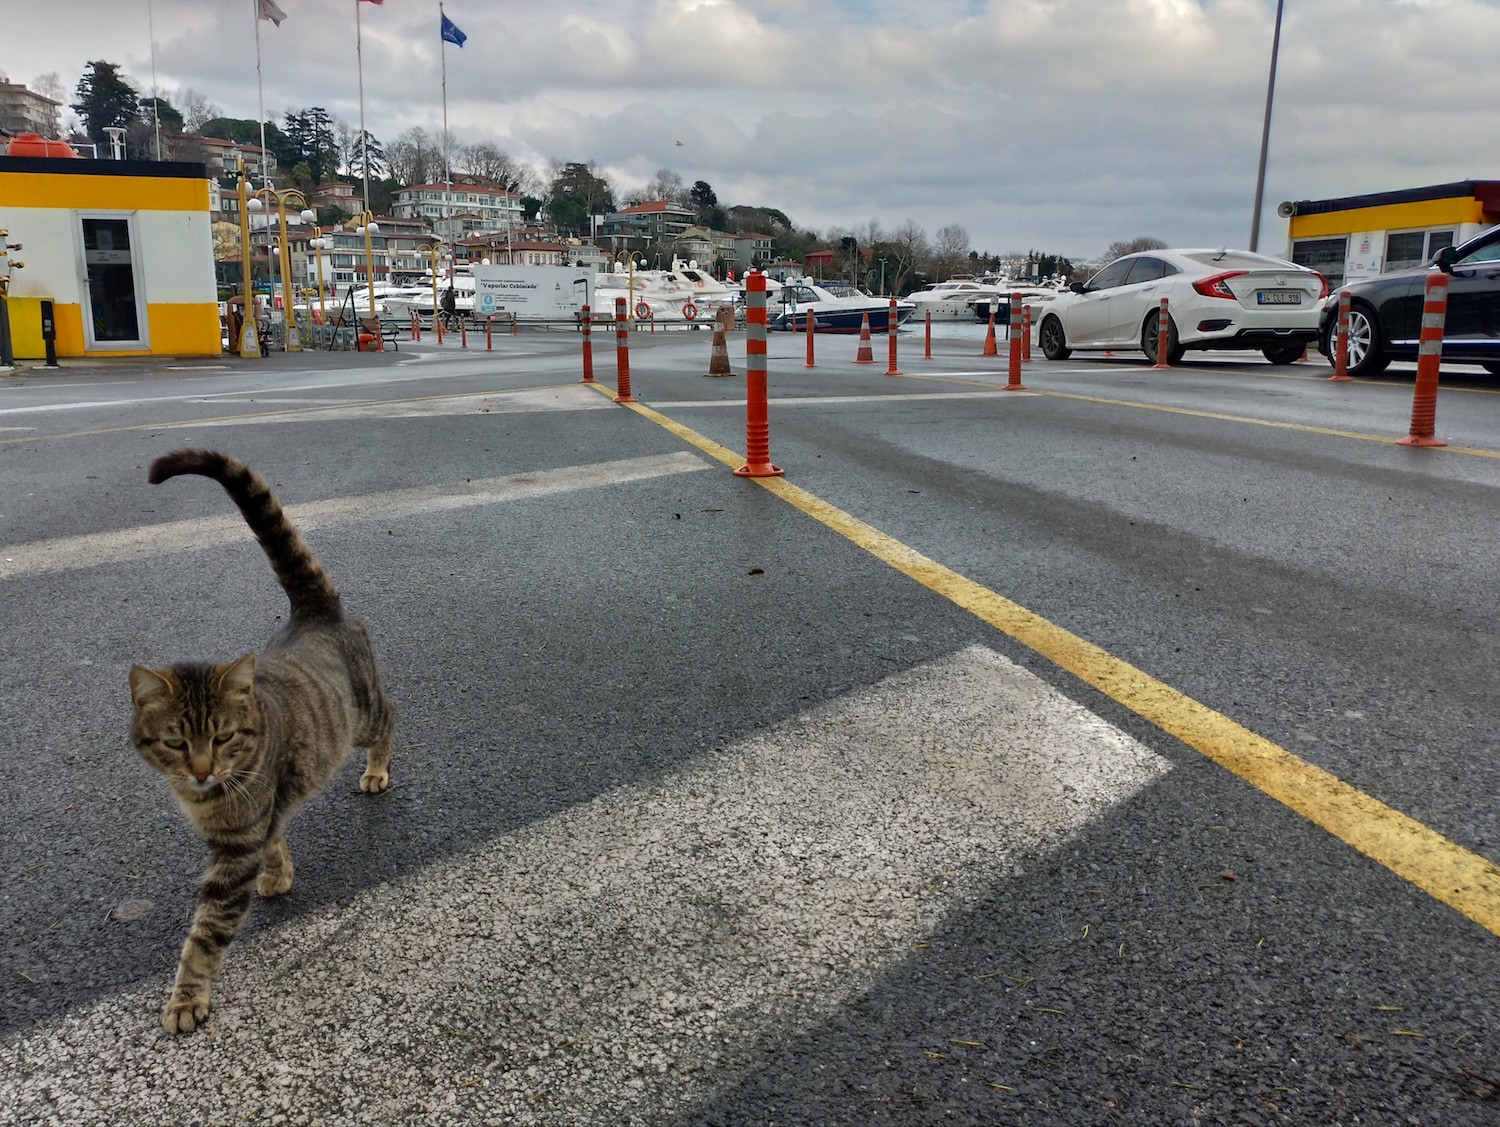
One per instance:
(313, 595)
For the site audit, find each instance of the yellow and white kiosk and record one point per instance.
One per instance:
(122, 249)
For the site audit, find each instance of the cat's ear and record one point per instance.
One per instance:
(237, 677)
(148, 684)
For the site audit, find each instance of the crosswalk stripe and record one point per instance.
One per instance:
(627, 958)
(146, 541)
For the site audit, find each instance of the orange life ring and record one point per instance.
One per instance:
(689, 311)
(642, 311)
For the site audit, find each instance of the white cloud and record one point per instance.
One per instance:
(1057, 124)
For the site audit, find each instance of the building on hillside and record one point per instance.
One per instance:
(784, 270)
(752, 249)
(1354, 237)
(123, 249)
(501, 251)
(696, 244)
(650, 222)
(492, 206)
(819, 262)
(222, 157)
(337, 194)
(26, 111)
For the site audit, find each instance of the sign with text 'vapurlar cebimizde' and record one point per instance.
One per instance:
(533, 292)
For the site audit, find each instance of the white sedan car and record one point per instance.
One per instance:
(1215, 299)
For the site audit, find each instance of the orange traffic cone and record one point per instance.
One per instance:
(865, 354)
(718, 363)
(989, 338)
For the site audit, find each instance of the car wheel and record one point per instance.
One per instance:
(1366, 357)
(1284, 354)
(1050, 336)
(1149, 336)
(1491, 366)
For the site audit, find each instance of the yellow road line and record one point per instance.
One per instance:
(1305, 428)
(178, 424)
(1443, 869)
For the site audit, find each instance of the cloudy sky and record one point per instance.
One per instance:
(1059, 125)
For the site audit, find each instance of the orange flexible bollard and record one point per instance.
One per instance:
(757, 422)
(1013, 381)
(438, 324)
(1163, 321)
(622, 355)
(489, 323)
(514, 331)
(890, 332)
(927, 342)
(1429, 357)
(865, 355)
(416, 328)
(588, 347)
(1026, 334)
(989, 348)
(810, 322)
(463, 333)
(1341, 344)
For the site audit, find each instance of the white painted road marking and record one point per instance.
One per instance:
(564, 397)
(627, 959)
(150, 540)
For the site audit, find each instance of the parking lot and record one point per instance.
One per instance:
(1120, 750)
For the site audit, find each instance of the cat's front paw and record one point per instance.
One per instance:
(183, 1015)
(375, 782)
(274, 883)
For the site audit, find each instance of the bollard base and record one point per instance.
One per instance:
(1420, 440)
(620, 398)
(1339, 379)
(759, 469)
(1015, 387)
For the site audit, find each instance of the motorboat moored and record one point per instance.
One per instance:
(830, 312)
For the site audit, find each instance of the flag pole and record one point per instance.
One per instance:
(443, 51)
(155, 96)
(364, 152)
(260, 94)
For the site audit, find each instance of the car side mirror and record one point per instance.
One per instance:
(1445, 259)
(1077, 287)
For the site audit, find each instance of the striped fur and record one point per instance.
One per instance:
(244, 743)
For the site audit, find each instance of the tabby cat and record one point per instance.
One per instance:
(244, 743)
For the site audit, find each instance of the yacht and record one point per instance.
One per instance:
(951, 300)
(831, 312)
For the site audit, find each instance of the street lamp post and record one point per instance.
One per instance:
(367, 227)
(319, 244)
(1265, 134)
(280, 198)
(630, 305)
(249, 342)
(433, 248)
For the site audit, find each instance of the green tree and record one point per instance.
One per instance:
(577, 192)
(105, 98)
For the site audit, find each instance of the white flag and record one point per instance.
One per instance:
(269, 11)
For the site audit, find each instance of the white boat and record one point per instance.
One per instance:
(416, 296)
(682, 295)
(831, 312)
(951, 300)
(1031, 294)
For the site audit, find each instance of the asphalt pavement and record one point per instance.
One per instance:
(1119, 751)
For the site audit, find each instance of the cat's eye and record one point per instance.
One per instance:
(175, 743)
(223, 738)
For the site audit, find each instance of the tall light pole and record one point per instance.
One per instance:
(292, 341)
(1265, 134)
(367, 227)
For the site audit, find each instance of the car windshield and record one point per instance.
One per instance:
(1112, 275)
(1490, 252)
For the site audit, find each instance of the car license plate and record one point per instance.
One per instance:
(1278, 297)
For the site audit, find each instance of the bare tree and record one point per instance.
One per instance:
(666, 185)
(1131, 246)
(489, 162)
(197, 111)
(906, 246)
(48, 86)
(951, 252)
(413, 156)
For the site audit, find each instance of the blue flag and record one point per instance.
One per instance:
(452, 34)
